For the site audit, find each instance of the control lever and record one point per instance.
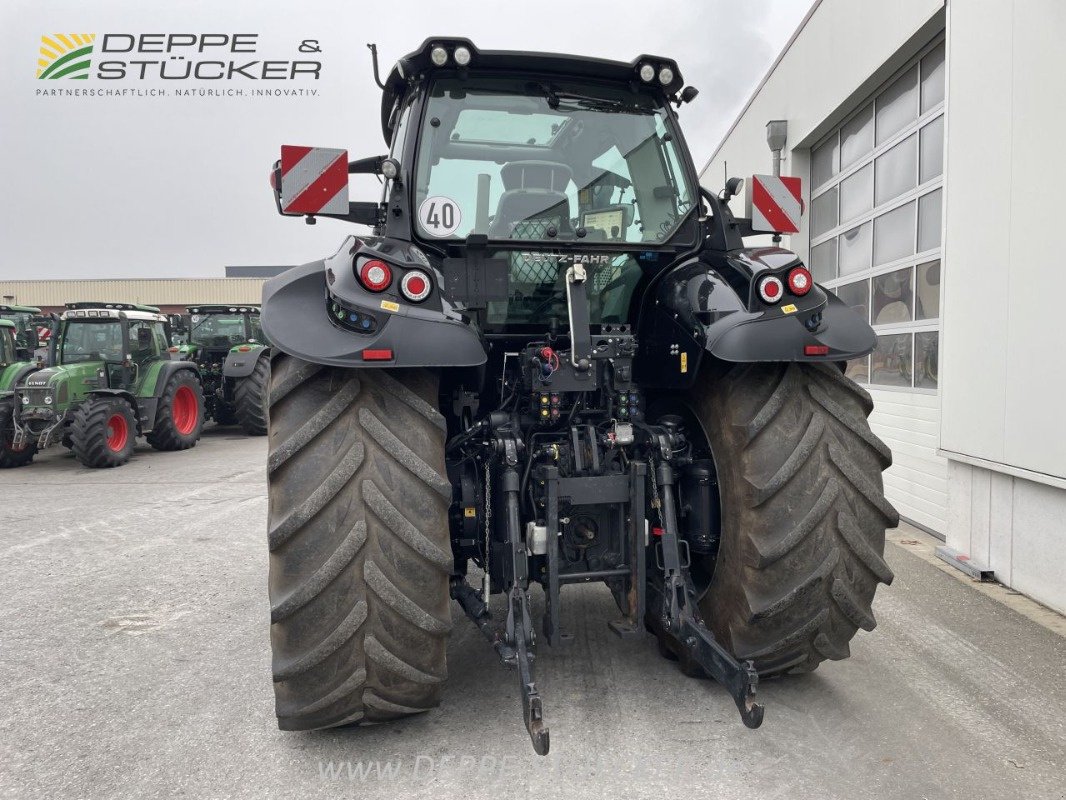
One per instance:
(577, 303)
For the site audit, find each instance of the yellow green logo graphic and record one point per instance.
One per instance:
(65, 55)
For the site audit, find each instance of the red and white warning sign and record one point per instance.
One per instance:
(776, 204)
(314, 180)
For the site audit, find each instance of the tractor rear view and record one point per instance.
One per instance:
(227, 345)
(555, 362)
(108, 380)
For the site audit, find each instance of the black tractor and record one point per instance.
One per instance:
(226, 343)
(553, 361)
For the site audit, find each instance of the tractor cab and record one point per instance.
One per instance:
(7, 343)
(212, 331)
(25, 321)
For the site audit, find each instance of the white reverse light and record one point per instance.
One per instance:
(666, 76)
(439, 56)
(647, 73)
(462, 56)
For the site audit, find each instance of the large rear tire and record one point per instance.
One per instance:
(103, 432)
(179, 418)
(9, 456)
(359, 544)
(250, 399)
(803, 512)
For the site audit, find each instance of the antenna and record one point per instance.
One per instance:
(374, 54)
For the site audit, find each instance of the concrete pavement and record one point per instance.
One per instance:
(134, 657)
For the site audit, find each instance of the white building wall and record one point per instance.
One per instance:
(917, 481)
(153, 291)
(842, 54)
(1003, 346)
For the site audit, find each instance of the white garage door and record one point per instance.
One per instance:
(877, 188)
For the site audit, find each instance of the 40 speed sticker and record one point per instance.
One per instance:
(439, 216)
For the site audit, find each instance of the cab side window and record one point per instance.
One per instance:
(143, 342)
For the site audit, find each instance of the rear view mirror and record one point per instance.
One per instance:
(310, 180)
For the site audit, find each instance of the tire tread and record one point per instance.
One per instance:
(359, 590)
(803, 508)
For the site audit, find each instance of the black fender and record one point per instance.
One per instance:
(242, 363)
(299, 306)
(709, 305)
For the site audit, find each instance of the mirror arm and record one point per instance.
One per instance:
(364, 213)
(366, 166)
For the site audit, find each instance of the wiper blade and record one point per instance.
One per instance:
(585, 102)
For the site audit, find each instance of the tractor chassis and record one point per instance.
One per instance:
(669, 610)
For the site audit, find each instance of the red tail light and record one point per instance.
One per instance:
(416, 286)
(800, 281)
(815, 349)
(375, 275)
(771, 289)
(377, 355)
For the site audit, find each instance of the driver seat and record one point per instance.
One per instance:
(534, 197)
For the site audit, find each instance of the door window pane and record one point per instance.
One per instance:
(858, 369)
(897, 106)
(857, 193)
(929, 220)
(897, 170)
(824, 261)
(926, 359)
(890, 362)
(927, 291)
(857, 137)
(824, 162)
(856, 295)
(824, 212)
(932, 155)
(894, 234)
(892, 300)
(854, 249)
(933, 78)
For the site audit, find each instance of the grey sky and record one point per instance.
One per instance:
(176, 186)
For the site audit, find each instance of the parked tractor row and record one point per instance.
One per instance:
(114, 371)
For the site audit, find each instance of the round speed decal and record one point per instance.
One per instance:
(439, 216)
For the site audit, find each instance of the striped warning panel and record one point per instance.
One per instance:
(314, 180)
(776, 204)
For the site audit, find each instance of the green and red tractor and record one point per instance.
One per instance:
(109, 379)
(227, 345)
(14, 367)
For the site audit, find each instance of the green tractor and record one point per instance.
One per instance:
(109, 380)
(228, 345)
(25, 320)
(13, 370)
